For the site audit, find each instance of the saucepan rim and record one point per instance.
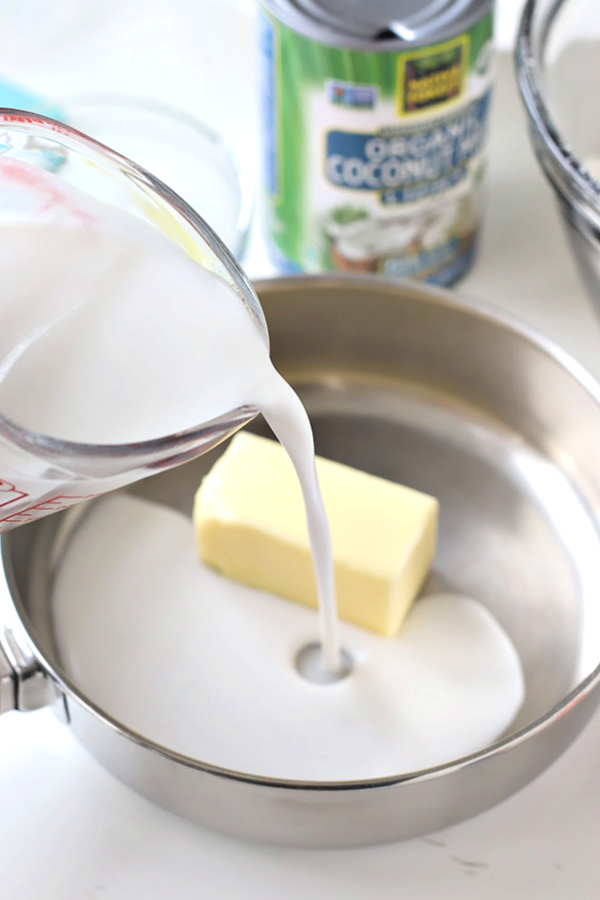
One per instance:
(443, 298)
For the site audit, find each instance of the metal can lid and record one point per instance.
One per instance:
(379, 24)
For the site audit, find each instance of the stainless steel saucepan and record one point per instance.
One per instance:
(410, 383)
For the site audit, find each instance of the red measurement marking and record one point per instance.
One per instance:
(35, 120)
(16, 171)
(50, 505)
(9, 493)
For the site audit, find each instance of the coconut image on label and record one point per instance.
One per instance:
(374, 126)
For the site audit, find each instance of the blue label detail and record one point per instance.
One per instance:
(425, 189)
(405, 266)
(445, 266)
(409, 164)
(456, 269)
(269, 103)
(356, 96)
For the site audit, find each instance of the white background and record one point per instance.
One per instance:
(68, 830)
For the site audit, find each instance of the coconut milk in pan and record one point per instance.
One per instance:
(375, 120)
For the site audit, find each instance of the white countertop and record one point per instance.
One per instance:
(69, 830)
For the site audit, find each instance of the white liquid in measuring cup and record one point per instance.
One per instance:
(110, 334)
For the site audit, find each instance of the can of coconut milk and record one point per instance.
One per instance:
(375, 121)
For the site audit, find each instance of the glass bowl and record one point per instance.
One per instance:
(558, 71)
(176, 147)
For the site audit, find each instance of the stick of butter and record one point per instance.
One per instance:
(250, 525)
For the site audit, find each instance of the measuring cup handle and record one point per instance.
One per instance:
(23, 682)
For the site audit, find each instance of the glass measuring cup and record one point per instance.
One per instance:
(40, 474)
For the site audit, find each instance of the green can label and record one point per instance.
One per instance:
(374, 160)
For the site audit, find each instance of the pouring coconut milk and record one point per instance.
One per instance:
(113, 336)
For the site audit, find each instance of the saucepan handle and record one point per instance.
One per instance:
(23, 682)
(8, 681)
